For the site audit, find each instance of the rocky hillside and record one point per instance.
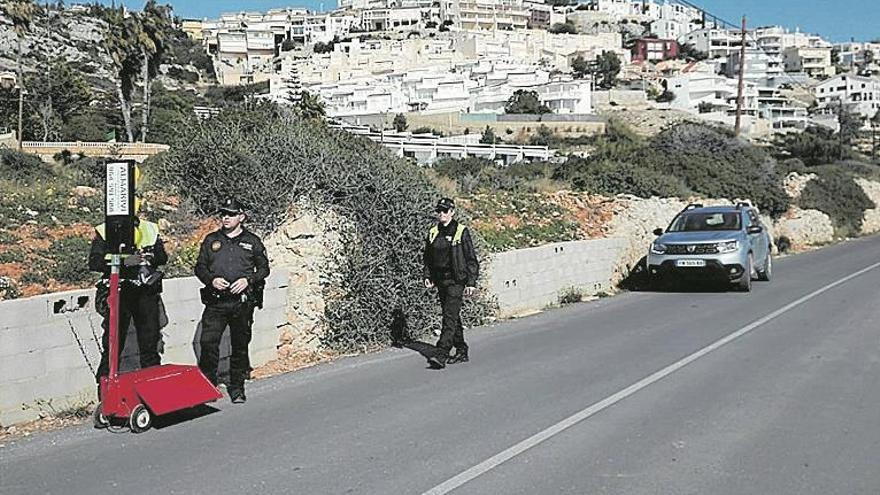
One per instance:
(77, 38)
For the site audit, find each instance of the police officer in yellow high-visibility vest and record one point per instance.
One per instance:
(140, 286)
(452, 266)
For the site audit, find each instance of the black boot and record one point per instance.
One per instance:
(236, 393)
(438, 360)
(460, 357)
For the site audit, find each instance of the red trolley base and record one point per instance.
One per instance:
(140, 395)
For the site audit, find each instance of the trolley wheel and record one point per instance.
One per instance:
(99, 419)
(140, 419)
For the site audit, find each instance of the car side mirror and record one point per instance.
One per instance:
(658, 231)
(755, 229)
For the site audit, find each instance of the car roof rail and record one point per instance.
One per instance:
(693, 206)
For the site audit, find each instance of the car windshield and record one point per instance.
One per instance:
(697, 221)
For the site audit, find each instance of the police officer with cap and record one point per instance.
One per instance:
(233, 266)
(452, 266)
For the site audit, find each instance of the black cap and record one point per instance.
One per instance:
(445, 204)
(231, 205)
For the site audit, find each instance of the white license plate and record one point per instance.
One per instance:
(690, 263)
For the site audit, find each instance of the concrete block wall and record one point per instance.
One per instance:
(530, 279)
(48, 342)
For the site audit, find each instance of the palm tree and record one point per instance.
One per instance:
(155, 22)
(121, 44)
(21, 13)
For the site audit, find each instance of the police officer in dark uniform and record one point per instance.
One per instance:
(452, 266)
(233, 266)
(139, 293)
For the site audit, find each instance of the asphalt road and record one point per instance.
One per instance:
(771, 392)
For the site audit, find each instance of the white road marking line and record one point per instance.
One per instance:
(504, 456)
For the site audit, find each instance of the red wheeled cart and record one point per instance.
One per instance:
(138, 396)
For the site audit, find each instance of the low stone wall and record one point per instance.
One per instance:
(48, 344)
(530, 279)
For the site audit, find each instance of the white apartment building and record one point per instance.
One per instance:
(760, 68)
(473, 88)
(717, 43)
(614, 8)
(703, 86)
(245, 44)
(798, 39)
(782, 114)
(672, 30)
(485, 14)
(858, 56)
(356, 59)
(668, 11)
(556, 51)
(542, 15)
(362, 4)
(860, 94)
(813, 61)
(399, 19)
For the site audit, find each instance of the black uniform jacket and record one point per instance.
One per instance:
(465, 265)
(232, 258)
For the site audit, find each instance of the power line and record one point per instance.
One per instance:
(754, 36)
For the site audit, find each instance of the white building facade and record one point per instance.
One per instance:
(860, 94)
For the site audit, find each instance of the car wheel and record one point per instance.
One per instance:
(767, 272)
(745, 282)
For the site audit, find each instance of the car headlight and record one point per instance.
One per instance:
(657, 248)
(728, 247)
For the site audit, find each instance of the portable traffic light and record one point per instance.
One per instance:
(119, 206)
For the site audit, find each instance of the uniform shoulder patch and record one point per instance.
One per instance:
(216, 245)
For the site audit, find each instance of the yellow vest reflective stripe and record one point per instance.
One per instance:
(456, 239)
(145, 234)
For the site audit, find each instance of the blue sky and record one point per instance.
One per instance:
(837, 20)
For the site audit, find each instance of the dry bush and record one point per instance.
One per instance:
(270, 159)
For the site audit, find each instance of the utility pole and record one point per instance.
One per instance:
(20, 105)
(739, 91)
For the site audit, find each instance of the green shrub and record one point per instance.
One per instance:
(69, 257)
(15, 165)
(182, 261)
(814, 146)
(271, 160)
(686, 158)
(12, 256)
(34, 277)
(835, 193)
(183, 75)
(611, 178)
(91, 169)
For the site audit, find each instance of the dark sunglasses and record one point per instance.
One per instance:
(228, 214)
(442, 210)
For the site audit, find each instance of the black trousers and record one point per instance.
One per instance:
(239, 317)
(452, 332)
(142, 307)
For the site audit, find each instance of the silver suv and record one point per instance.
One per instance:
(726, 243)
